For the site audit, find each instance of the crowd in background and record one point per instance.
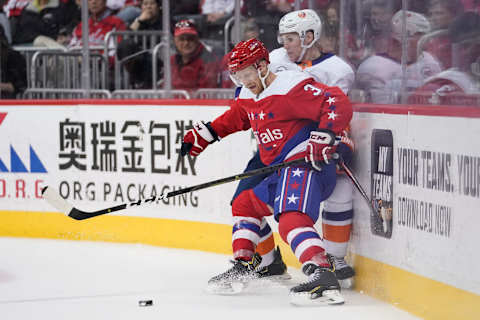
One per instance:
(433, 59)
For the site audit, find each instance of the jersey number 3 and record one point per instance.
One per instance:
(315, 91)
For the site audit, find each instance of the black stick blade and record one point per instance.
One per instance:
(81, 215)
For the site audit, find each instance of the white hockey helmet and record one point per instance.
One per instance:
(416, 23)
(300, 22)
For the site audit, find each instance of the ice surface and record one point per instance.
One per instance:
(53, 279)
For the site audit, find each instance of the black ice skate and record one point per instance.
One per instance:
(343, 271)
(322, 287)
(277, 270)
(235, 279)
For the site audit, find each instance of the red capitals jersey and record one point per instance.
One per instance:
(98, 29)
(284, 114)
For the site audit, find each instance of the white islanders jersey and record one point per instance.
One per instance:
(329, 69)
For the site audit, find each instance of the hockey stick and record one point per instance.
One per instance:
(373, 204)
(55, 200)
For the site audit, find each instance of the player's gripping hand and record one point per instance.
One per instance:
(198, 138)
(321, 148)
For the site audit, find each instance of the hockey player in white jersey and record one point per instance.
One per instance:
(380, 76)
(299, 32)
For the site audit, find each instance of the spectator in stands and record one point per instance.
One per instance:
(13, 71)
(126, 10)
(215, 10)
(286, 6)
(459, 85)
(249, 29)
(441, 14)
(100, 22)
(150, 17)
(136, 58)
(330, 32)
(4, 21)
(40, 21)
(13, 8)
(329, 38)
(380, 76)
(267, 14)
(381, 15)
(211, 23)
(193, 66)
(377, 32)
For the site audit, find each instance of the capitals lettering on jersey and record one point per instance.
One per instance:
(268, 136)
(284, 114)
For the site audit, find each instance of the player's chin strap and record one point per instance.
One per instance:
(262, 79)
(304, 49)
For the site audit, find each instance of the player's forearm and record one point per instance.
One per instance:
(230, 122)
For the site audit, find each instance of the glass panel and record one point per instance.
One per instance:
(400, 51)
(455, 42)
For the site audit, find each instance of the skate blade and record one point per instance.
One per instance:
(329, 297)
(236, 287)
(278, 278)
(346, 283)
(226, 289)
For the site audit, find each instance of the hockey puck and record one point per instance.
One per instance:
(145, 303)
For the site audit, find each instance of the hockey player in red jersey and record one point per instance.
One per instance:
(299, 32)
(292, 117)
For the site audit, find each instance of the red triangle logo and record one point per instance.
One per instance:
(2, 116)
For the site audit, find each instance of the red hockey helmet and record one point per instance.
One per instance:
(246, 53)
